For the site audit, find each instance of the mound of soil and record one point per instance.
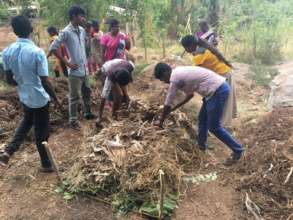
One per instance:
(267, 167)
(124, 157)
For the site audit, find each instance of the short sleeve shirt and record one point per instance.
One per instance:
(27, 63)
(190, 79)
(74, 39)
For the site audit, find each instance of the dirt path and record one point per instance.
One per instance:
(27, 194)
(214, 200)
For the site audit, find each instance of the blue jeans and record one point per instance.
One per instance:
(210, 120)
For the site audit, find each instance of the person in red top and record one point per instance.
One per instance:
(59, 67)
(114, 42)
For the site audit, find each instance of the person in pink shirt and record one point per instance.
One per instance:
(214, 90)
(114, 43)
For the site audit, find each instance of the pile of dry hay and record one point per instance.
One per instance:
(125, 157)
(267, 169)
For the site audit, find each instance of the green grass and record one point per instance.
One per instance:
(4, 87)
(139, 68)
(262, 74)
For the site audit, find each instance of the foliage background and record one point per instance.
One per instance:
(251, 31)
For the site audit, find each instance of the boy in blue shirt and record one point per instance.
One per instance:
(73, 36)
(26, 67)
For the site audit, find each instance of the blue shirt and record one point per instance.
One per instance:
(74, 39)
(27, 62)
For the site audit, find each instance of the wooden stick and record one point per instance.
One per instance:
(289, 175)
(52, 159)
(162, 192)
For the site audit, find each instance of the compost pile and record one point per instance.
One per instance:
(9, 113)
(126, 156)
(11, 109)
(268, 166)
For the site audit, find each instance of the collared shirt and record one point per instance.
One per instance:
(190, 79)
(27, 62)
(74, 40)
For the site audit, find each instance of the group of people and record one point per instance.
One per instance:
(81, 48)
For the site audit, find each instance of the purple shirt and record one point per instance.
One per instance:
(190, 79)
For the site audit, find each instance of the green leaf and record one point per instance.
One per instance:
(150, 209)
(66, 183)
(59, 190)
(68, 196)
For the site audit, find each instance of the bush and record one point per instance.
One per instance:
(4, 15)
(262, 74)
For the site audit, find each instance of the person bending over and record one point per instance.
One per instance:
(116, 76)
(214, 91)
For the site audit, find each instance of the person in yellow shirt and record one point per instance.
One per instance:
(207, 56)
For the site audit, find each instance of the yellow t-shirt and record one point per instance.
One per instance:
(205, 58)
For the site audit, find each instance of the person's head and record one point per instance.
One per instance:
(163, 72)
(77, 15)
(22, 26)
(88, 27)
(123, 77)
(52, 31)
(96, 25)
(189, 42)
(114, 26)
(203, 25)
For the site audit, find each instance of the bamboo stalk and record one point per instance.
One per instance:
(162, 193)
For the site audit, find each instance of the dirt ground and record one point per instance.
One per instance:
(28, 194)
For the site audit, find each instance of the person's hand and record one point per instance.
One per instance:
(158, 124)
(72, 66)
(115, 116)
(127, 102)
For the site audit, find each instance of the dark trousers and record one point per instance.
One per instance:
(210, 120)
(39, 118)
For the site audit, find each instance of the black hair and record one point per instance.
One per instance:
(88, 24)
(95, 23)
(160, 69)
(74, 11)
(22, 26)
(190, 40)
(52, 29)
(123, 77)
(113, 22)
